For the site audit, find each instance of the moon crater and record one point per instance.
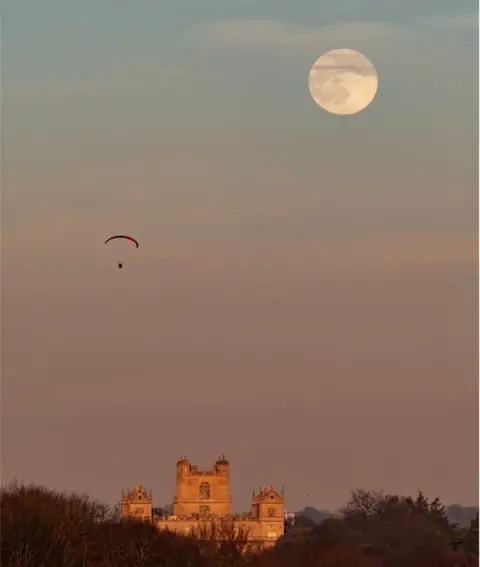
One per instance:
(343, 81)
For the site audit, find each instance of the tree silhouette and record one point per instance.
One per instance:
(44, 528)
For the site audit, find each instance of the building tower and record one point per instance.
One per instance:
(137, 504)
(268, 508)
(202, 493)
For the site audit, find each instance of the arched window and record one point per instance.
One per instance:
(205, 490)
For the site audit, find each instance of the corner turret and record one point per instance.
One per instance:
(222, 466)
(137, 504)
(183, 467)
(268, 503)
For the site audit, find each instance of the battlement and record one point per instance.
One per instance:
(186, 468)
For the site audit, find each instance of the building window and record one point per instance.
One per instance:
(271, 512)
(204, 510)
(205, 491)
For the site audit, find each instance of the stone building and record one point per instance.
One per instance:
(137, 504)
(202, 501)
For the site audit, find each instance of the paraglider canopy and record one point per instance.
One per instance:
(123, 236)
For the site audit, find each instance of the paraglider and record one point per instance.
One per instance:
(120, 264)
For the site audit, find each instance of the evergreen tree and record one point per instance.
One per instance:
(471, 539)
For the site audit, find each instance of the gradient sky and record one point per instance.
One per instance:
(304, 299)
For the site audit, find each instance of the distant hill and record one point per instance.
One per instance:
(317, 516)
(461, 515)
(457, 514)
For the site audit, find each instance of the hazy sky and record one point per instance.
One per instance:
(304, 298)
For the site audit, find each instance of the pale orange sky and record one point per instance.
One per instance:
(305, 294)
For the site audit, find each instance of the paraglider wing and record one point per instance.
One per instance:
(122, 236)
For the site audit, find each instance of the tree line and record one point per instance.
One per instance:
(45, 528)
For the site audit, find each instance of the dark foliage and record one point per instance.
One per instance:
(456, 514)
(43, 528)
(471, 536)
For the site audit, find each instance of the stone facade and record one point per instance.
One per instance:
(137, 504)
(203, 505)
(202, 492)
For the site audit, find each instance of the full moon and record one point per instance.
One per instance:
(343, 81)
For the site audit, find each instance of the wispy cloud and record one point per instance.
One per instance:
(119, 80)
(458, 20)
(422, 250)
(401, 254)
(406, 49)
(215, 3)
(278, 35)
(281, 36)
